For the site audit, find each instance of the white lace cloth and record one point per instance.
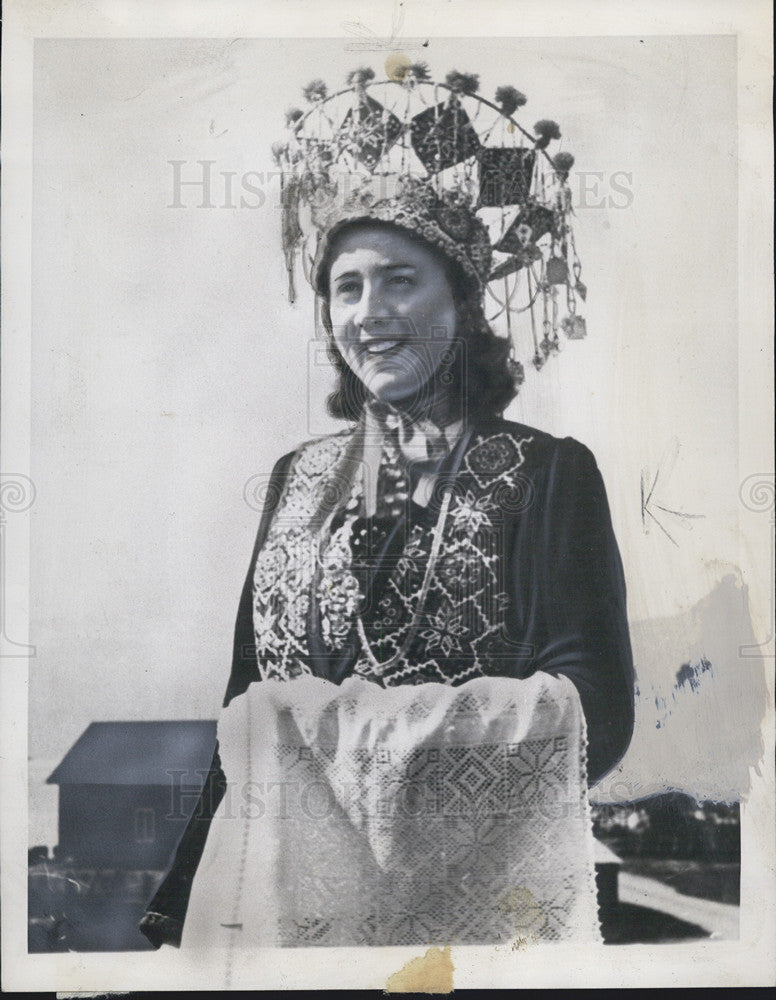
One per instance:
(427, 814)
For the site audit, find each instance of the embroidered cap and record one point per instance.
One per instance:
(445, 221)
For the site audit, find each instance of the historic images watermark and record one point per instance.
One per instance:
(17, 495)
(424, 789)
(758, 494)
(206, 184)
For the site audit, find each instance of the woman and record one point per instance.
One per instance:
(432, 543)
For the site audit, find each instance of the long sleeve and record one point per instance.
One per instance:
(575, 598)
(163, 920)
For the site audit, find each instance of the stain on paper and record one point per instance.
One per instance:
(396, 66)
(432, 973)
(689, 673)
(700, 702)
(520, 907)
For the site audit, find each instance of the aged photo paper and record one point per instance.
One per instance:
(162, 349)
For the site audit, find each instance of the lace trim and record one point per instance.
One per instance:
(413, 815)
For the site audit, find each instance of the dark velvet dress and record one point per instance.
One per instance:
(530, 513)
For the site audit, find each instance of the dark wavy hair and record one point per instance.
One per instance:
(479, 374)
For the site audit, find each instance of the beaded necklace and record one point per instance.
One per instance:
(332, 565)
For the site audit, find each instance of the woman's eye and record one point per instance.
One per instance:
(347, 288)
(401, 279)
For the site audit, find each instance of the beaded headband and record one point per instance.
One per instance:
(444, 163)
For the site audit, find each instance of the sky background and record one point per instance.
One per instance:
(169, 367)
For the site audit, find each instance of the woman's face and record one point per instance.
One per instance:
(392, 310)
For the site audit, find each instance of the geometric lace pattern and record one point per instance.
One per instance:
(413, 815)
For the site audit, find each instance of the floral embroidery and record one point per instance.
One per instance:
(445, 631)
(464, 572)
(470, 513)
(339, 594)
(269, 566)
(285, 567)
(267, 637)
(493, 458)
(461, 634)
(409, 561)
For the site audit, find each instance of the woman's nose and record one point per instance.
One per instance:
(372, 312)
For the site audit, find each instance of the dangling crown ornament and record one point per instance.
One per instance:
(442, 161)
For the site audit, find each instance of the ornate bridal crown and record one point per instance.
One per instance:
(440, 160)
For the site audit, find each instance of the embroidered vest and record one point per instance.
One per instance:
(461, 633)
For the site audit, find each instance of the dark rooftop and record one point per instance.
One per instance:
(138, 753)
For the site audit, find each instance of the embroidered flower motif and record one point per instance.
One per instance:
(445, 631)
(494, 458)
(472, 513)
(298, 554)
(463, 573)
(409, 561)
(267, 638)
(338, 605)
(339, 593)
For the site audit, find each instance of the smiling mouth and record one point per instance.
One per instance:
(381, 347)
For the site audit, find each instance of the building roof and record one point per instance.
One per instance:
(139, 753)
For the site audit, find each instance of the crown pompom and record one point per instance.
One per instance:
(315, 90)
(360, 77)
(563, 162)
(462, 83)
(510, 99)
(419, 72)
(546, 130)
